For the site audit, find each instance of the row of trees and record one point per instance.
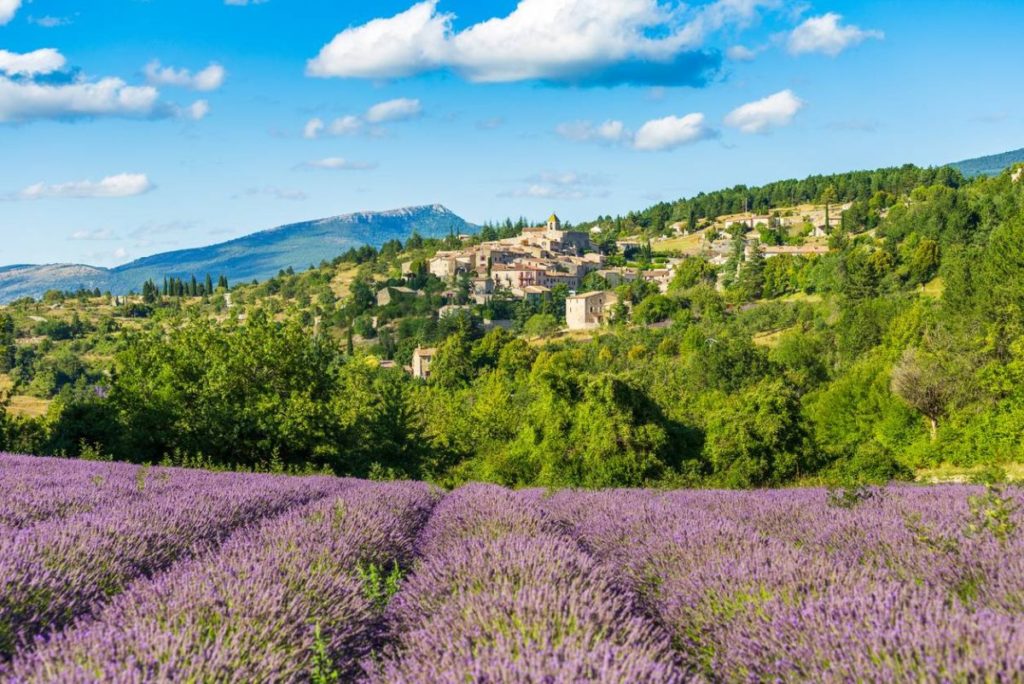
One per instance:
(180, 287)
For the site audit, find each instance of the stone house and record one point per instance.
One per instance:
(422, 358)
(589, 310)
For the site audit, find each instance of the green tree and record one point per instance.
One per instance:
(653, 309)
(924, 262)
(593, 282)
(540, 325)
(757, 438)
(8, 348)
(691, 272)
(750, 285)
(828, 197)
(920, 379)
(613, 436)
(242, 394)
(452, 366)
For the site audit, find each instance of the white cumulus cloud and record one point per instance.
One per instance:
(408, 43)
(7, 10)
(672, 132)
(121, 185)
(210, 78)
(35, 63)
(578, 42)
(771, 112)
(827, 35)
(38, 85)
(25, 100)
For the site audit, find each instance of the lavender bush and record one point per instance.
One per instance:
(281, 601)
(56, 570)
(119, 573)
(496, 598)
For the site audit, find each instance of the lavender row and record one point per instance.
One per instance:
(55, 571)
(37, 489)
(284, 601)
(497, 597)
(910, 585)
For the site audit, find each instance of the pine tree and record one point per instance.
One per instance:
(827, 198)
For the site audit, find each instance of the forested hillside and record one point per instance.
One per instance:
(991, 165)
(900, 350)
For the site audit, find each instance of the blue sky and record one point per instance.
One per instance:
(129, 127)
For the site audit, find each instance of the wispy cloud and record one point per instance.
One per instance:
(610, 131)
(401, 109)
(854, 125)
(276, 193)
(565, 185)
(50, 21)
(99, 234)
(741, 53)
(491, 123)
(390, 111)
(208, 79)
(656, 135)
(121, 185)
(340, 164)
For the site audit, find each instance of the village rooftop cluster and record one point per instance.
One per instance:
(529, 265)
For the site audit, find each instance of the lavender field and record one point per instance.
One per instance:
(122, 573)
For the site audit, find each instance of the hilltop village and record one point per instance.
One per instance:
(541, 260)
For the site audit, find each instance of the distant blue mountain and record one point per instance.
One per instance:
(257, 256)
(992, 165)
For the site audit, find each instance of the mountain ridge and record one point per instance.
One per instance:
(989, 165)
(258, 255)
